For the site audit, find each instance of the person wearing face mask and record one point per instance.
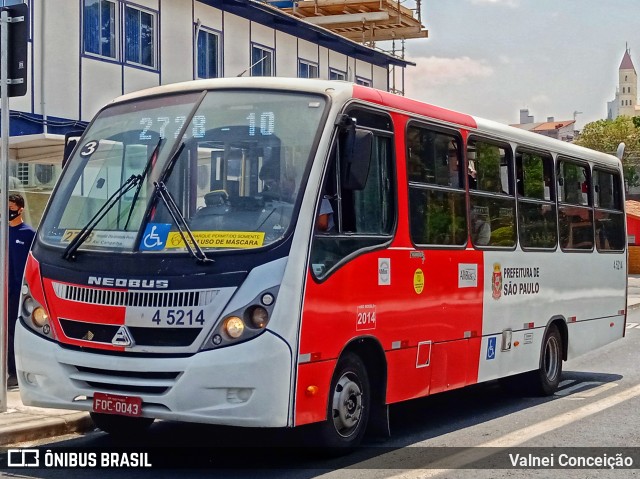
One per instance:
(20, 238)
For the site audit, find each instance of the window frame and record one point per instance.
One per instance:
(308, 64)
(218, 52)
(116, 35)
(154, 40)
(260, 64)
(552, 201)
(479, 193)
(339, 74)
(617, 177)
(424, 186)
(563, 203)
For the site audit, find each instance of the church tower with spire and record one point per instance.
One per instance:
(626, 100)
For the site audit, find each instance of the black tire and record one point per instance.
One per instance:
(121, 426)
(545, 380)
(348, 408)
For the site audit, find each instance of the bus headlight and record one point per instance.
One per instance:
(259, 317)
(244, 323)
(28, 305)
(234, 327)
(39, 317)
(34, 315)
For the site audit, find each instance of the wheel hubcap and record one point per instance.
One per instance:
(347, 405)
(551, 361)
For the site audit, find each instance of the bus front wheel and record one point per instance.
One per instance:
(121, 426)
(348, 408)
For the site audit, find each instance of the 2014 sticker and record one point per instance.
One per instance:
(366, 317)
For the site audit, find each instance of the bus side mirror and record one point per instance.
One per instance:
(355, 158)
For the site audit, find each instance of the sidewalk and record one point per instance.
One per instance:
(633, 291)
(22, 423)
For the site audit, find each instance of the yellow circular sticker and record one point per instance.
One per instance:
(418, 281)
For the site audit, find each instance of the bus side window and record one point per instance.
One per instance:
(492, 204)
(609, 215)
(361, 217)
(437, 204)
(536, 201)
(575, 216)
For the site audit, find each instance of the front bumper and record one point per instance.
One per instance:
(248, 384)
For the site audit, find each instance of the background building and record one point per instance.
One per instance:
(560, 130)
(83, 53)
(625, 102)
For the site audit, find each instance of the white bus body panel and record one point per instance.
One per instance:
(584, 290)
(243, 385)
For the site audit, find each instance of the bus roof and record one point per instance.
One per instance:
(535, 140)
(278, 83)
(342, 91)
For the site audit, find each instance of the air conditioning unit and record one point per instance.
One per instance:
(43, 175)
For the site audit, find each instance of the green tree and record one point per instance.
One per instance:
(606, 135)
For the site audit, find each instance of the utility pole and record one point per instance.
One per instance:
(13, 82)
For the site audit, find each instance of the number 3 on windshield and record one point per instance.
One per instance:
(89, 148)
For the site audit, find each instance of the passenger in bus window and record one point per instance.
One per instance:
(325, 222)
(601, 236)
(473, 175)
(480, 228)
(519, 178)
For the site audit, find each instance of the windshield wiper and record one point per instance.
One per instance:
(81, 237)
(183, 228)
(150, 162)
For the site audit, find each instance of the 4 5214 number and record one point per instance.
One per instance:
(178, 317)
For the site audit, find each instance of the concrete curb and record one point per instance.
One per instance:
(21, 427)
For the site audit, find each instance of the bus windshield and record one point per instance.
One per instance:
(232, 161)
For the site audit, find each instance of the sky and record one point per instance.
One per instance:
(491, 58)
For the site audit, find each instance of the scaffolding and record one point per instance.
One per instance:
(365, 21)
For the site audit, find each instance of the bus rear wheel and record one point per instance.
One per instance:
(348, 409)
(543, 381)
(546, 378)
(121, 426)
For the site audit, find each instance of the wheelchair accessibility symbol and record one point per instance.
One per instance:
(491, 348)
(155, 236)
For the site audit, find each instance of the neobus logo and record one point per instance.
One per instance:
(129, 282)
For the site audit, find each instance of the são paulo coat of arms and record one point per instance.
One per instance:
(496, 281)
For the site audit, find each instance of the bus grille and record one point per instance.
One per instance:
(126, 382)
(155, 299)
(104, 333)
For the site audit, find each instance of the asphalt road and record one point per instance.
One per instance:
(594, 414)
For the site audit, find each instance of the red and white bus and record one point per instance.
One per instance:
(180, 271)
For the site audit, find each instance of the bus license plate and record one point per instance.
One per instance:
(114, 404)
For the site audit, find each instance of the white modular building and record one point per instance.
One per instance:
(84, 53)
